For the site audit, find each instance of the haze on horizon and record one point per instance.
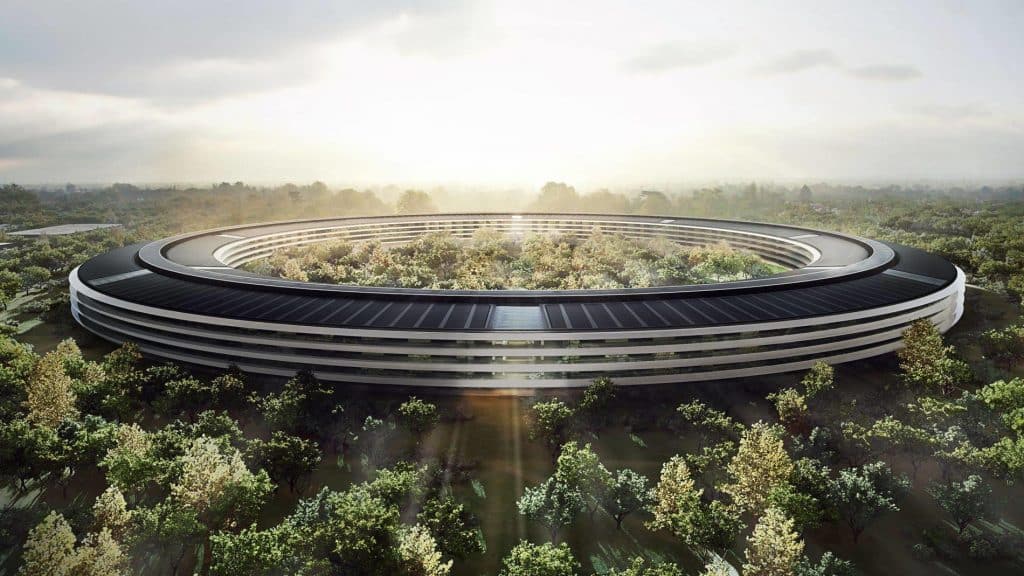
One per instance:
(496, 92)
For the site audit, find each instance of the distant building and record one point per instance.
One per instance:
(62, 229)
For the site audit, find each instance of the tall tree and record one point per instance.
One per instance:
(774, 547)
(578, 467)
(679, 509)
(49, 549)
(760, 465)
(50, 392)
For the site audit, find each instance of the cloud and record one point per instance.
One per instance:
(956, 113)
(885, 73)
(666, 57)
(798, 61)
(169, 49)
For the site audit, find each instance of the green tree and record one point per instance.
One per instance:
(791, 407)
(626, 493)
(286, 458)
(1006, 397)
(452, 527)
(597, 398)
(415, 202)
(110, 512)
(10, 282)
(828, 565)
(215, 483)
(1004, 345)
(527, 559)
(167, 530)
(553, 504)
(33, 277)
(966, 501)
(396, 486)
(640, 567)
(579, 468)
(820, 378)
(50, 392)
(303, 406)
(27, 451)
(864, 493)
(760, 465)
(251, 551)
(550, 423)
(419, 416)
(362, 531)
(928, 363)
(131, 464)
(678, 508)
(774, 547)
(49, 549)
(417, 551)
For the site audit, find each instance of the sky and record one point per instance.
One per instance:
(595, 93)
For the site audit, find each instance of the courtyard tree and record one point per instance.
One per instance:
(528, 559)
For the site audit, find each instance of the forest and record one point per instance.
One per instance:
(113, 464)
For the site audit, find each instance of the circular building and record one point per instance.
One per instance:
(842, 299)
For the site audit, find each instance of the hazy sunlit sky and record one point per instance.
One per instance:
(518, 92)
